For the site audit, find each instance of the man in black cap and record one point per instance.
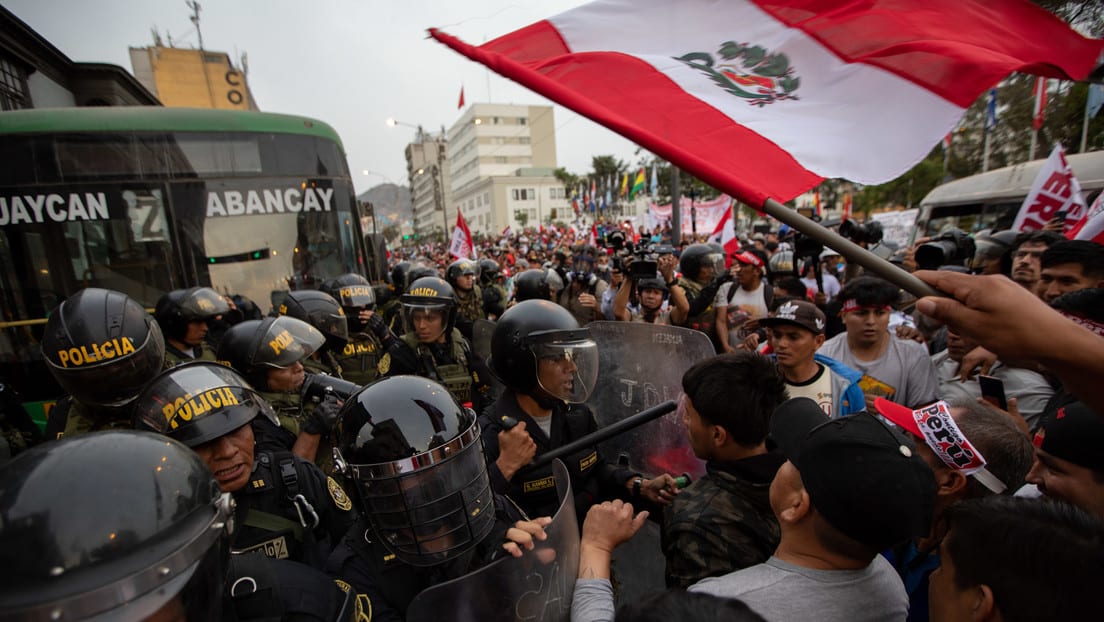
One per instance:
(851, 487)
(1069, 463)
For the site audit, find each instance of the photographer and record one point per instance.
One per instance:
(652, 292)
(699, 265)
(742, 302)
(583, 292)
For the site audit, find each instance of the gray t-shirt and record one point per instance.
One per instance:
(903, 373)
(782, 592)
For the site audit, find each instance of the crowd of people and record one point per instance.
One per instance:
(868, 455)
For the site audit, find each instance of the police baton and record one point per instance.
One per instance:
(598, 436)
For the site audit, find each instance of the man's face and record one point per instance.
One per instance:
(1063, 480)
(747, 275)
(197, 331)
(464, 282)
(698, 431)
(651, 299)
(285, 379)
(1025, 263)
(867, 326)
(1063, 279)
(793, 345)
(948, 602)
(429, 325)
(230, 458)
(556, 374)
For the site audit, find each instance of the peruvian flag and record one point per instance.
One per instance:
(460, 104)
(462, 247)
(725, 233)
(592, 239)
(1038, 113)
(1054, 190)
(1091, 227)
(756, 97)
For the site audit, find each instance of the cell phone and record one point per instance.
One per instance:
(992, 391)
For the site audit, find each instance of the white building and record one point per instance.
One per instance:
(427, 170)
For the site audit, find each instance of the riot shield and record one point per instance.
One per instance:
(481, 338)
(537, 587)
(639, 366)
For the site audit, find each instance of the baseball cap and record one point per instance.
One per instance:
(934, 425)
(800, 312)
(1075, 433)
(862, 476)
(749, 258)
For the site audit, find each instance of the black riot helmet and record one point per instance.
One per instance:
(112, 526)
(418, 271)
(177, 308)
(538, 345)
(398, 276)
(318, 309)
(197, 402)
(652, 282)
(429, 294)
(351, 291)
(102, 347)
(255, 346)
(459, 268)
(488, 271)
(532, 284)
(413, 458)
(698, 256)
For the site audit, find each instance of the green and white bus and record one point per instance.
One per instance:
(147, 199)
(992, 199)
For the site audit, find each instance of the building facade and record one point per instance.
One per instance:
(192, 78)
(428, 172)
(523, 199)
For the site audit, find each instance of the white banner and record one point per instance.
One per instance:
(897, 226)
(706, 214)
(1055, 190)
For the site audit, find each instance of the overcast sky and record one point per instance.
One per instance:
(350, 63)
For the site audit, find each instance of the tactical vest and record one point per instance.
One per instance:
(174, 357)
(456, 377)
(325, 364)
(80, 420)
(360, 358)
(291, 411)
(704, 321)
(274, 534)
(471, 306)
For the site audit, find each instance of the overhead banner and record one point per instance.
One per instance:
(706, 214)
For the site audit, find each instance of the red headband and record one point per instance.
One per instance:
(851, 304)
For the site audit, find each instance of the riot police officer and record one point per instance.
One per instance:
(494, 294)
(268, 353)
(122, 525)
(549, 366)
(184, 316)
(287, 508)
(390, 309)
(703, 273)
(432, 347)
(321, 311)
(359, 358)
(532, 284)
(461, 275)
(411, 458)
(102, 348)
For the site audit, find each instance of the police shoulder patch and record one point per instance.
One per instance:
(337, 493)
(384, 364)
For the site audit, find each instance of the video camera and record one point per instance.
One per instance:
(867, 233)
(645, 260)
(951, 248)
(319, 386)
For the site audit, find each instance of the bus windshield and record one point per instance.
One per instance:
(249, 213)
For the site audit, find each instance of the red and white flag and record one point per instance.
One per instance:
(460, 104)
(462, 246)
(592, 237)
(1055, 189)
(1039, 110)
(1091, 227)
(766, 98)
(725, 233)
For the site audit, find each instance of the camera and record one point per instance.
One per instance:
(318, 386)
(644, 263)
(951, 248)
(615, 239)
(867, 233)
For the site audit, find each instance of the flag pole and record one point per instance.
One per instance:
(853, 252)
(1085, 126)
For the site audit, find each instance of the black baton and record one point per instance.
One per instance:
(598, 436)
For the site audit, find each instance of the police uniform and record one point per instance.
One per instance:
(267, 589)
(71, 418)
(494, 299)
(592, 478)
(392, 316)
(704, 321)
(292, 412)
(451, 363)
(289, 509)
(359, 359)
(174, 357)
(326, 363)
(469, 309)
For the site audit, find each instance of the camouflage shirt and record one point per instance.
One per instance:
(722, 522)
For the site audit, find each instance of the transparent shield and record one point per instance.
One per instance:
(567, 370)
(537, 586)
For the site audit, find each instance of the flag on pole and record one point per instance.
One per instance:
(463, 246)
(725, 233)
(737, 91)
(507, 232)
(1039, 111)
(592, 238)
(638, 184)
(461, 103)
(1091, 227)
(593, 189)
(1055, 189)
(816, 202)
(991, 111)
(625, 184)
(655, 182)
(846, 206)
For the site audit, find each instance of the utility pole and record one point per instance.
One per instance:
(676, 208)
(194, 6)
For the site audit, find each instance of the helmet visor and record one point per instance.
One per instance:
(356, 296)
(716, 260)
(332, 324)
(425, 320)
(287, 341)
(567, 370)
(203, 303)
(113, 373)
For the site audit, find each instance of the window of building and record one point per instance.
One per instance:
(522, 120)
(495, 120)
(516, 194)
(13, 86)
(500, 159)
(524, 140)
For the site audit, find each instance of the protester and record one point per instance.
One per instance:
(1069, 462)
(1068, 266)
(742, 301)
(1026, 252)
